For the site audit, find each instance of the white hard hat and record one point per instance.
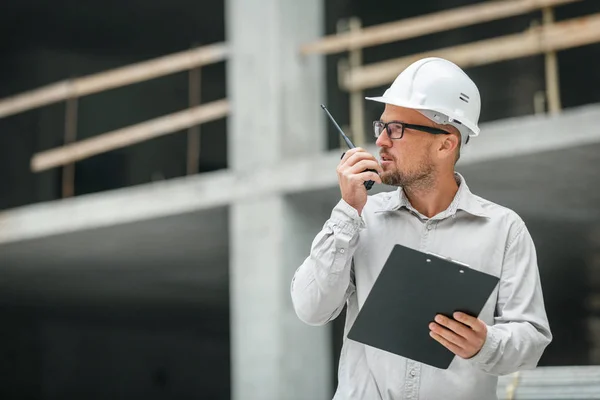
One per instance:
(441, 91)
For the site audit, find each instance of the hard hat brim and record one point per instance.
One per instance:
(395, 102)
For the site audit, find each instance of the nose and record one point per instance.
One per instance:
(384, 140)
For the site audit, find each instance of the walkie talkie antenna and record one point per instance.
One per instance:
(368, 184)
(346, 139)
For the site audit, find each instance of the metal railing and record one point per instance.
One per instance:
(547, 383)
(71, 90)
(544, 37)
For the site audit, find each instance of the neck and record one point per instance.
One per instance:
(434, 197)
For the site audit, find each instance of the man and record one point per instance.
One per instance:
(431, 111)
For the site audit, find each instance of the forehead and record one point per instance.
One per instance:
(408, 115)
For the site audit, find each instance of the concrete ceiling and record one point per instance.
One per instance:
(184, 258)
(176, 259)
(561, 185)
(557, 185)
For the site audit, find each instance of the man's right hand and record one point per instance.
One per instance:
(352, 174)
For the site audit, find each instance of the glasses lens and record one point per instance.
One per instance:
(395, 129)
(377, 128)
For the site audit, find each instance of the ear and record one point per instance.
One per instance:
(449, 144)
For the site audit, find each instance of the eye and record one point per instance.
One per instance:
(395, 128)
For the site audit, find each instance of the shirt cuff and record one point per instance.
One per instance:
(345, 218)
(492, 341)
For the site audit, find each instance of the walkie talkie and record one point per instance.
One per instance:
(368, 184)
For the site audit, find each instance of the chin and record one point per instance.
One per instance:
(390, 169)
(387, 178)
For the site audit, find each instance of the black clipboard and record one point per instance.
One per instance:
(411, 289)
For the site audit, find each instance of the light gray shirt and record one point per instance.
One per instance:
(349, 252)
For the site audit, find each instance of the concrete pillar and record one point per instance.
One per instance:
(275, 92)
(275, 95)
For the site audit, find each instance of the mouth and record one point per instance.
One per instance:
(385, 158)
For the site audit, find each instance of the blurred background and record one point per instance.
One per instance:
(165, 166)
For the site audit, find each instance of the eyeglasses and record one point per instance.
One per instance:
(395, 129)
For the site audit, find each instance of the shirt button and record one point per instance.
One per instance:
(342, 251)
(413, 373)
(429, 227)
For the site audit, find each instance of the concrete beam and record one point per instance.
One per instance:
(498, 140)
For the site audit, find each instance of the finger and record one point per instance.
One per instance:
(455, 326)
(358, 156)
(349, 154)
(360, 179)
(448, 335)
(363, 165)
(370, 176)
(345, 157)
(452, 347)
(474, 323)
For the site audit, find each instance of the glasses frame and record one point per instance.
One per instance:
(422, 128)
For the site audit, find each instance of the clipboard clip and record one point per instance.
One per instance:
(448, 259)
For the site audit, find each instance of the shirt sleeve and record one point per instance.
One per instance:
(521, 331)
(323, 283)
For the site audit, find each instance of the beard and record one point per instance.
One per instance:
(420, 175)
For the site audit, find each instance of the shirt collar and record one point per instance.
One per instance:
(463, 200)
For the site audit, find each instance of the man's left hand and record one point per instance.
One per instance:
(464, 335)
